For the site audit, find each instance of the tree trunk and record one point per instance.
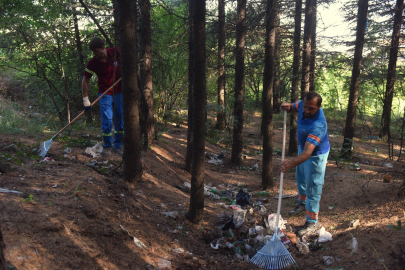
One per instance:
(148, 127)
(189, 154)
(306, 54)
(2, 246)
(116, 23)
(237, 145)
(196, 211)
(107, 39)
(78, 42)
(391, 76)
(269, 53)
(355, 81)
(221, 65)
(276, 80)
(293, 142)
(130, 92)
(313, 50)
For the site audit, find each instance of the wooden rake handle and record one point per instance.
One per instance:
(80, 114)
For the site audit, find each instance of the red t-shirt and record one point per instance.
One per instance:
(105, 71)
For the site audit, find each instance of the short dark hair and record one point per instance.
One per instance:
(311, 95)
(96, 43)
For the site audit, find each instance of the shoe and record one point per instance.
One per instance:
(117, 150)
(106, 152)
(309, 227)
(297, 210)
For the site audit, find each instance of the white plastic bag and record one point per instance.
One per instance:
(94, 151)
(324, 236)
(272, 222)
(352, 244)
(239, 217)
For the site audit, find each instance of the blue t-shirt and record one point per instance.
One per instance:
(313, 130)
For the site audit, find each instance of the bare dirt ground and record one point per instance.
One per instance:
(72, 211)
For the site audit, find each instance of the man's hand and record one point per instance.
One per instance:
(284, 166)
(87, 104)
(287, 107)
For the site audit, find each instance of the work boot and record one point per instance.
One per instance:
(117, 150)
(106, 152)
(309, 227)
(297, 209)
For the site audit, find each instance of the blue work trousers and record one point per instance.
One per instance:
(108, 117)
(310, 178)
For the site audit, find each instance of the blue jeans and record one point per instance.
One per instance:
(310, 177)
(108, 117)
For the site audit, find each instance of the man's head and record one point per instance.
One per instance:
(312, 102)
(97, 46)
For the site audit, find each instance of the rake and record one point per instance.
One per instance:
(274, 255)
(44, 147)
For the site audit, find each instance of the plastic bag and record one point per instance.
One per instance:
(272, 222)
(324, 236)
(243, 198)
(94, 151)
(239, 217)
(352, 244)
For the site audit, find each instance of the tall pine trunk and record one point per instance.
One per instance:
(276, 81)
(313, 50)
(79, 45)
(237, 144)
(355, 81)
(221, 65)
(2, 246)
(391, 76)
(306, 54)
(293, 142)
(148, 127)
(130, 91)
(189, 154)
(267, 99)
(196, 211)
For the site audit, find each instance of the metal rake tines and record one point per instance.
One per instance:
(273, 262)
(44, 148)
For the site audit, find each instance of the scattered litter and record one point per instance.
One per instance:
(387, 178)
(46, 159)
(122, 195)
(216, 161)
(331, 207)
(372, 137)
(5, 190)
(20, 258)
(354, 223)
(239, 217)
(55, 186)
(389, 165)
(164, 205)
(286, 196)
(173, 214)
(164, 263)
(139, 193)
(243, 198)
(328, 260)
(272, 222)
(67, 150)
(137, 242)
(302, 248)
(214, 196)
(94, 151)
(90, 179)
(187, 185)
(178, 250)
(324, 236)
(352, 244)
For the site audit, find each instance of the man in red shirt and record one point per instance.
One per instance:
(105, 65)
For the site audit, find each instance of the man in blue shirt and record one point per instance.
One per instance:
(312, 157)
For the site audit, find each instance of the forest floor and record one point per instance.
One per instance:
(73, 209)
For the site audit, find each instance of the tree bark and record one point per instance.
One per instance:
(130, 92)
(116, 23)
(293, 142)
(391, 76)
(221, 65)
(189, 154)
(107, 39)
(148, 127)
(267, 99)
(237, 145)
(2, 246)
(196, 211)
(313, 50)
(306, 54)
(276, 80)
(355, 80)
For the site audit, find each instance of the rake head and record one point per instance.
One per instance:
(43, 149)
(274, 255)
